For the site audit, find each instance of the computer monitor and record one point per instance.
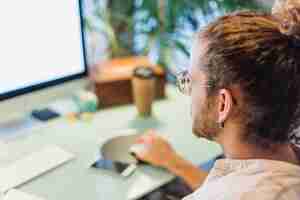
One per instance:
(42, 53)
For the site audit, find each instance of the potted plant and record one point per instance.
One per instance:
(160, 30)
(155, 27)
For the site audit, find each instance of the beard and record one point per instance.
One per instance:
(205, 125)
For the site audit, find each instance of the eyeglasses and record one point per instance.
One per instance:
(184, 82)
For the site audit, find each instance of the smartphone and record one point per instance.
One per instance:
(124, 169)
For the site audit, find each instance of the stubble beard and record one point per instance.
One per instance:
(206, 126)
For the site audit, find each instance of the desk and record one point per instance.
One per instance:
(75, 180)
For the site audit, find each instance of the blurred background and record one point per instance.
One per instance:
(160, 29)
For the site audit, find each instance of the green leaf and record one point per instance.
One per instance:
(179, 45)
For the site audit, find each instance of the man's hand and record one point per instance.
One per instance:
(154, 149)
(157, 151)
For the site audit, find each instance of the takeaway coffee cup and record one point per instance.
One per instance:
(143, 86)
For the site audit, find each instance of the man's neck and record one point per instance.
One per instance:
(235, 149)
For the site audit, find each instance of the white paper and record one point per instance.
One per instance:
(32, 166)
(18, 195)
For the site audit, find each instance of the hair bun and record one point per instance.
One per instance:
(288, 14)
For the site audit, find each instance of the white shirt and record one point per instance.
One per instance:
(250, 180)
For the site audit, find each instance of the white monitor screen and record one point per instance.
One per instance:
(40, 43)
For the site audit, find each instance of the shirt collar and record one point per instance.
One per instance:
(231, 165)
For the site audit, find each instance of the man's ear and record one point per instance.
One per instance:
(225, 104)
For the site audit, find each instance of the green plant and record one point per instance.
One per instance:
(136, 27)
(114, 20)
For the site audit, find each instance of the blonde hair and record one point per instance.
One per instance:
(287, 11)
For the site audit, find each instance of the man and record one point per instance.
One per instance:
(244, 83)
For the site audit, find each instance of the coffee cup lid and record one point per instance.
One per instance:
(143, 72)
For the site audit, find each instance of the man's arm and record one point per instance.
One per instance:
(191, 174)
(158, 152)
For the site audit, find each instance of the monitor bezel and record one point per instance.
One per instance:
(52, 83)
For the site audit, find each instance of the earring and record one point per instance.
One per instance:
(221, 124)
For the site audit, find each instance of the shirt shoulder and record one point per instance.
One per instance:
(272, 191)
(261, 179)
